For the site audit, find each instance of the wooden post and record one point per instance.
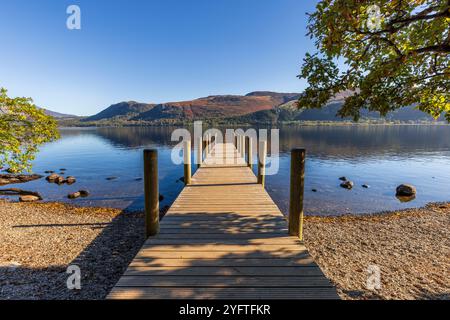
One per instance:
(243, 147)
(200, 153)
(151, 191)
(262, 162)
(249, 152)
(187, 162)
(297, 192)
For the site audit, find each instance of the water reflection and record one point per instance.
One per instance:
(380, 156)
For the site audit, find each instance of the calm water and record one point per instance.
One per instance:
(380, 156)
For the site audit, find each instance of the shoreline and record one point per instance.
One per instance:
(246, 125)
(38, 241)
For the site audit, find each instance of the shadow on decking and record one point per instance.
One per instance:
(106, 258)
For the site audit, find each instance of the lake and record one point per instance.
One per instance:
(379, 156)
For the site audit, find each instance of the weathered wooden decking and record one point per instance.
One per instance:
(223, 238)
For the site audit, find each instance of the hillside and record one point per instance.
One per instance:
(120, 111)
(212, 107)
(259, 107)
(58, 115)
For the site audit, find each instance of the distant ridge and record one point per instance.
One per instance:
(258, 107)
(211, 107)
(58, 115)
(124, 110)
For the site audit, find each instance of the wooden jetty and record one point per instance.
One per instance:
(223, 238)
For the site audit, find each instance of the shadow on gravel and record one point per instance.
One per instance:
(101, 263)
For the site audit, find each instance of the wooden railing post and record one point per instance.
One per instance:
(187, 162)
(151, 190)
(262, 162)
(297, 192)
(249, 152)
(206, 145)
(200, 152)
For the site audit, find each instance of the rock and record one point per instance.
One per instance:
(52, 177)
(347, 185)
(405, 190)
(314, 190)
(74, 195)
(111, 178)
(70, 180)
(19, 192)
(161, 197)
(60, 180)
(29, 198)
(365, 186)
(138, 179)
(84, 193)
(343, 178)
(49, 171)
(17, 178)
(63, 169)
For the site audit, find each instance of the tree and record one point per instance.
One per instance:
(395, 53)
(23, 128)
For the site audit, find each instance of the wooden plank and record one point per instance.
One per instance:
(247, 262)
(219, 236)
(193, 254)
(224, 271)
(231, 244)
(222, 293)
(223, 281)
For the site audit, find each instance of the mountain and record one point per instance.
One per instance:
(255, 107)
(121, 111)
(289, 112)
(57, 114)
(211, 107)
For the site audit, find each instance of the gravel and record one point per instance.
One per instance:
(411, 248)
(39, 241)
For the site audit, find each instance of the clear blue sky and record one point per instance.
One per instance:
(150, 51)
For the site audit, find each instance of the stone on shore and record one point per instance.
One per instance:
(52, 177)
(17, 178)
(343, 178)
(29, 198)
(60, 180)
(406, 190)
(84, 193)
(347, 185)
(70, 180)
(74, 195)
